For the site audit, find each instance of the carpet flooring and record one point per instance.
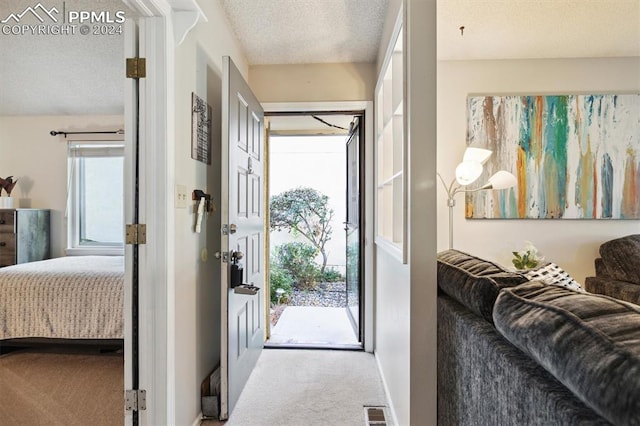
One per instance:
(309, 387)
(61, 387)
(287, 388)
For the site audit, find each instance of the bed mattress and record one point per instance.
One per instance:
(73, 297)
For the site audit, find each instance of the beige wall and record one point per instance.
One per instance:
(313, 82)
(573, 244)
(196, 297)
(39, 162)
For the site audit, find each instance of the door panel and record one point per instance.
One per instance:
(255, 254)
(256, 190)
(257, 127)
(242, 193)
(243, 121)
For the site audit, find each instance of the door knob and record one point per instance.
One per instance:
(236, 255)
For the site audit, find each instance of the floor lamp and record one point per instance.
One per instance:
(467, 172)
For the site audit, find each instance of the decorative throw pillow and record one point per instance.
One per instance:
(552, 274)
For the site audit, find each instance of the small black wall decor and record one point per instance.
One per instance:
(200, 129)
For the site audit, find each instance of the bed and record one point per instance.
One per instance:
(69, 298)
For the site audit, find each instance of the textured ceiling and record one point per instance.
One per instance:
(307, 31)
(60, 74)
(312, 31)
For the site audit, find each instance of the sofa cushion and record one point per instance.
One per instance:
(617, 289)
(601, 269)
(474, 282)
(590, 343)
(621, 258)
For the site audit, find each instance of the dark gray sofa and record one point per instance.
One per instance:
(514, 352)
(618, 269)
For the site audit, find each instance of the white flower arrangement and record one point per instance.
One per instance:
(528, 258)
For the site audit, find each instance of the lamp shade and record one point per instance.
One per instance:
(467, 172)
(502, 180)
(476, 154)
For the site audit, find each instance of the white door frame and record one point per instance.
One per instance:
(167, 22)
(369, 143)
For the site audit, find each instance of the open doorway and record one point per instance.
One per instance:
(314, 203)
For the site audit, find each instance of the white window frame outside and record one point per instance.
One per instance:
(78, 150)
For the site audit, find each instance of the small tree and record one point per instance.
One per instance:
(304, 211)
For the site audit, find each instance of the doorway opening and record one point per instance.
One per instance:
(314, 241)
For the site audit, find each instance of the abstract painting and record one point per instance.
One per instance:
(574, 156)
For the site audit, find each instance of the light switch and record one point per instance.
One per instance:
(181, 197)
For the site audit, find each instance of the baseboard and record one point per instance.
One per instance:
(197, 421)
(392, 411)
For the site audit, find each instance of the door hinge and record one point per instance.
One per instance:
(136, 68)
(136, 233)
(135, 400)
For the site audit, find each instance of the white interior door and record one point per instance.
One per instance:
(243, 214)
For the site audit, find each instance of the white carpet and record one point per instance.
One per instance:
(309, 387)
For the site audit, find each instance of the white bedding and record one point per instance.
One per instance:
(74, 297)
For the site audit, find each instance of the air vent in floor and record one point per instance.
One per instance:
(375, 416)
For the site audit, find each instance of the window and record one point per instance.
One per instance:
(96, 198)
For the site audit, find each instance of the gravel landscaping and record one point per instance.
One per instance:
(329, 295)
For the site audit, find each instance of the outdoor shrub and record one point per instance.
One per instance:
(332, 276)
(299, 260)
(279, 278)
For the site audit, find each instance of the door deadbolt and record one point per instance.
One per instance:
(233, 228)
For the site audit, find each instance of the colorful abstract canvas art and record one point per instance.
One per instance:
(574, 156)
